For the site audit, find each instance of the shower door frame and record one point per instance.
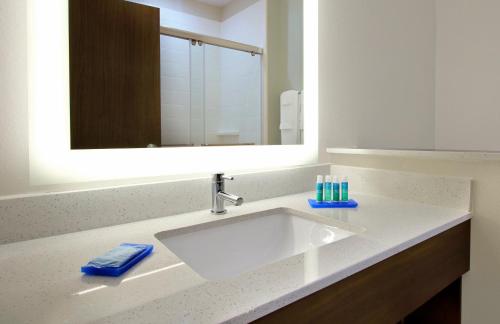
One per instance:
(215, 41)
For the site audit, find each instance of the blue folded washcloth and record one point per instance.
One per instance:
(117, 261)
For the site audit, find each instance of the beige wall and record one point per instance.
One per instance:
(235, 7)
(14, 166)
(468, 75)
(377, 73)
(481, 286)
(191, 7)
(284, 57)
(410, 74)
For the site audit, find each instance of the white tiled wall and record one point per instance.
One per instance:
(175, 91)
(240, 103)
(198, 95)
(212, 92)
(241, 83)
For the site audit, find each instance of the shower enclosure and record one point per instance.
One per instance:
(210, 95)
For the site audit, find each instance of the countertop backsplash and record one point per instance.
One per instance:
(449, 192)
(43, 215)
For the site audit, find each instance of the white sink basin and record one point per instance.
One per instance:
(227, 248)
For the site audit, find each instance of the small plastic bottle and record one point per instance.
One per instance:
(328, 188)
(345, 189)
(319, 189)
(336, 189)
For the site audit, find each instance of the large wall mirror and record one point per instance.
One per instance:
(185, 73)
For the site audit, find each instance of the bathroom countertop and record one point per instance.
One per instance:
(41, 282)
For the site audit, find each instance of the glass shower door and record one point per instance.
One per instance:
(175, 91)
(182, 92)
(233, 97)
(210, 95)
(197, 96)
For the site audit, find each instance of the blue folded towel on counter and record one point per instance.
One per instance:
(118, 261)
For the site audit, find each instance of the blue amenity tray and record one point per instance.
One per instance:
(98, 267)
(333, 204)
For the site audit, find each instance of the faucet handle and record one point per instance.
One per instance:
(219, 177)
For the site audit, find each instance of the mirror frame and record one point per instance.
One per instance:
(53, 162)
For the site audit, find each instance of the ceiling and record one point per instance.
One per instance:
(217, 3)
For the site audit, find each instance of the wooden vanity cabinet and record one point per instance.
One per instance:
(419, 285)
(114, 48)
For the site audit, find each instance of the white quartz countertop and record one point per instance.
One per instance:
(41, 282)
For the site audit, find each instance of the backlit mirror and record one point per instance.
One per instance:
(184, 73)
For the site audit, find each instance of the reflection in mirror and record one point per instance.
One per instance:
(210, 95)
(165, 73)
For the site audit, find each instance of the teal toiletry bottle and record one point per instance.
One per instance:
(336, 189)
(328, 188)
(345, 189)
(319, 189)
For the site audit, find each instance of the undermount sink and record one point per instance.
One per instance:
(229, 247)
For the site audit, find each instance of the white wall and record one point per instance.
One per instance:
(188, 15)
(179, 20)
(295, 43)
(411, 74)
(284, 58)
(247, 26)
(14, 163)
(468, 75)
(377, 73)
(190, 7)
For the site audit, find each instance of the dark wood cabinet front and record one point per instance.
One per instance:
(421, 283)
(114, 74)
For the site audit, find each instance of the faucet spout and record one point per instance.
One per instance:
(233, 199)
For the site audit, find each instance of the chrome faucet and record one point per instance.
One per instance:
(219, 196)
